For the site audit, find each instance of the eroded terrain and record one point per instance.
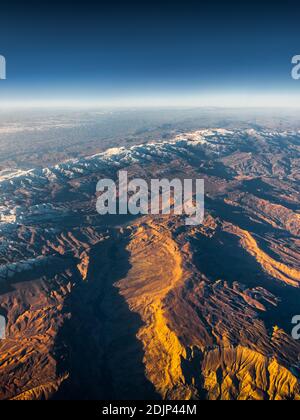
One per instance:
(147, 307)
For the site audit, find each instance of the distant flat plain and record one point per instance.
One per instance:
(34, 138)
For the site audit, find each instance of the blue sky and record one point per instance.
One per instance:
(131, 51)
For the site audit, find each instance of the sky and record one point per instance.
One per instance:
(150, 52)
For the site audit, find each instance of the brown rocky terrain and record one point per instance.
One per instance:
(121, 307)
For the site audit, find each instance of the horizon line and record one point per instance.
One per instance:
(222, 100)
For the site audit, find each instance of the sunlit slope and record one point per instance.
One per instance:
(202, 338)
